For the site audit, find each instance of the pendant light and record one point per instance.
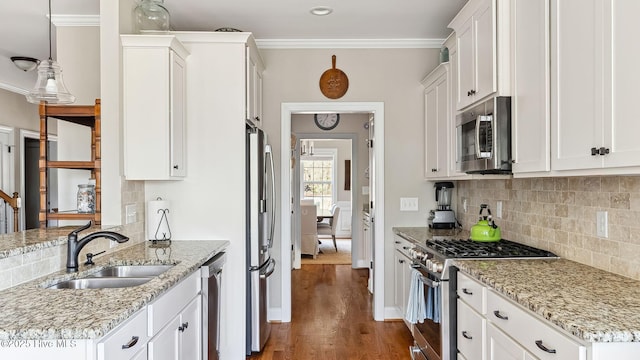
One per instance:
(50, 86)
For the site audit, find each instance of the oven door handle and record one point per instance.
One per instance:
(430, 283)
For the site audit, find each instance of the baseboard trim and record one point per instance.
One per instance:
(392, 313)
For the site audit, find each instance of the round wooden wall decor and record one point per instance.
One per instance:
(334, 83)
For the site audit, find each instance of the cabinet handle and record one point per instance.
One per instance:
(466, 291)
(175, 167)
(401, 261)
(500, 316)
(131, 343)
(257, 118)
(434, 170)
(466, 335)
(184, 326)
(471, 92)
(599, 151)
(544, 348)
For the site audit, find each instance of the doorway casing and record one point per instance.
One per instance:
(287, 109)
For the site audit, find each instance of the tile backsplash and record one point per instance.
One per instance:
(559, 215)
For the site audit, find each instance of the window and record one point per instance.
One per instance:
(318, 178)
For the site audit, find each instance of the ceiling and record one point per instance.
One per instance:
(24, 24)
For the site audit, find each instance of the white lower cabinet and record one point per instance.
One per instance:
(403, 276)
(175, 323)
(492, 327)
(181, 338)
(502, 347)
(535, 336)
(127, 340)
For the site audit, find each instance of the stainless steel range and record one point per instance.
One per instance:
(436, 339)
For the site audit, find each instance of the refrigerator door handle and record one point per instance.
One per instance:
(269, 153)
(269, 269)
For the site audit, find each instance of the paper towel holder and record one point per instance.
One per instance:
(164, 218)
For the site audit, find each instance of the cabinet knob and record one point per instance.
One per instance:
(175, 167)
(257, 118)
(434, 170)
(401, 261)
(131, 343)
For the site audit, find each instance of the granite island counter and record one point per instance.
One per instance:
(32, 311)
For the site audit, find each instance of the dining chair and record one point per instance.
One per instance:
(332, 228)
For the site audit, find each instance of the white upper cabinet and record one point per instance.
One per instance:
(482, 43)
(594, 77)
(154, 108)
(530, 78)
(438, 122)
(254, 85)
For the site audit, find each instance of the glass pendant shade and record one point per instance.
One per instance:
(151, 15)
(50, 85)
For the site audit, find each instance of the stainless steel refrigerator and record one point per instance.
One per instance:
(261, 211)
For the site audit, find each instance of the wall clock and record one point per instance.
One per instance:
(327, 121)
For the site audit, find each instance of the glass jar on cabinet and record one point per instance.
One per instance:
(151, 15)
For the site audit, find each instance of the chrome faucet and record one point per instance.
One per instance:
(74, 245)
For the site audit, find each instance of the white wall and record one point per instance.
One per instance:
(210, 202)
(389, 75)
(78, 53)
(18, 114)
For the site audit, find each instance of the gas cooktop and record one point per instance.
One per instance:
(463, 249)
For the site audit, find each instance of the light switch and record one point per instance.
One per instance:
(408, 204)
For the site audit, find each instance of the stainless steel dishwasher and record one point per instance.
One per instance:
(211, 283)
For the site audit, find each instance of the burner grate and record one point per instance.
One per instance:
(453, 248)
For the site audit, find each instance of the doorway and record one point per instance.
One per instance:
(30, 191)
(287, 110)
(325, 168)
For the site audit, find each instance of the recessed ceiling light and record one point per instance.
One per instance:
(321, 10)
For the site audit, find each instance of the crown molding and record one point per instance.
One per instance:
(75, 20)
(349, 43)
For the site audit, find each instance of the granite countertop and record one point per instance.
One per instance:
(26, 241)
(424, 233)
(32, 312)
(592, 304)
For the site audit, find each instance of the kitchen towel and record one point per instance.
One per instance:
(158, 220)
(416, 309)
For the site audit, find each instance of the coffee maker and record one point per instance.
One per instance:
(442, 217)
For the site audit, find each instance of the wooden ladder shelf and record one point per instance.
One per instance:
(86, 115)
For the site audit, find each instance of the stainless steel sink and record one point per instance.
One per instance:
(114, 277)
(100, 283)
(131, 271)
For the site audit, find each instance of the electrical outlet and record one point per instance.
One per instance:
(131, 214)
(499, 209)
(602, 224)
(408, 204)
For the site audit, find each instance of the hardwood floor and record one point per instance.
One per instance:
(332, 320)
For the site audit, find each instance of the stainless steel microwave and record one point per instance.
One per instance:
(484, 137)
